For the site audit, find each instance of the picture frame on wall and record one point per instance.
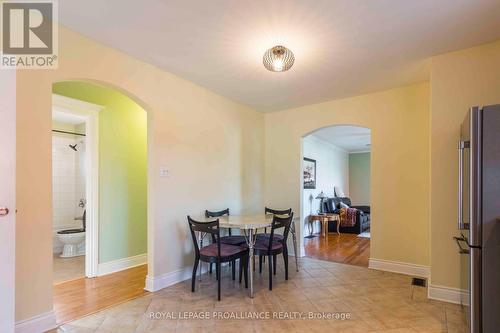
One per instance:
(309, 169)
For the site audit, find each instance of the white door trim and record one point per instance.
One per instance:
(89, 112)
(7, 199)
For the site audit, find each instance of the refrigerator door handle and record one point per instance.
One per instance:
(461, 146)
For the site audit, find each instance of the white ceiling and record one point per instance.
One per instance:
(342, 47)
(66, 118)
(353, 139)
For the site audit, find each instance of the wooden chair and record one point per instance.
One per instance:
(271, 247)
(216, 252)
(231, 240)
(270, 211)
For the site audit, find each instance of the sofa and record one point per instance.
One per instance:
(332, 205)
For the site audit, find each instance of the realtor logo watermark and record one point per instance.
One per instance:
(29, 38)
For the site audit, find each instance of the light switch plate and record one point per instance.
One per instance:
(163, 172)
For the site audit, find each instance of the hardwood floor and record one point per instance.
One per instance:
(78, 298)
(343, 248)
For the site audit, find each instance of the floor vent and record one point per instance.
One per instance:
(419, 282)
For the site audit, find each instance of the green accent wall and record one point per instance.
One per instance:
(359, 178)
(122, 169)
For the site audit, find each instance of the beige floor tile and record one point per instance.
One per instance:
(374, 301)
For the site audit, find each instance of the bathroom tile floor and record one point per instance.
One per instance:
(66, 269)
(374, 301)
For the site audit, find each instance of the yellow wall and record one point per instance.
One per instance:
(459, 80)
(399, 123)
(212, 147)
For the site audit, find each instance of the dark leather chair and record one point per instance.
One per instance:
(332, 205)
(271, 248)
(216, 252)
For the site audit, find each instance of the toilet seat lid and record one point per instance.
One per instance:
(70, 231)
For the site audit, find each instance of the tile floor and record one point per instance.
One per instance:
(375, 301)
(66, 269)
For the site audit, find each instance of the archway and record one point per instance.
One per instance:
(335, 194)
(112, 203)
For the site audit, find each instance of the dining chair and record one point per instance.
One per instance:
(270, 211)
(265, 235)
(216, 253)
(270, 248)
(230, 239)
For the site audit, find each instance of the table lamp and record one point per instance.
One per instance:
(321, 196)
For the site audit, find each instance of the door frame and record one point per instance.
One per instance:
(304, 215)
(8, 199)
(90, 113)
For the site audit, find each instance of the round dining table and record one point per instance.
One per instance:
(249, 224)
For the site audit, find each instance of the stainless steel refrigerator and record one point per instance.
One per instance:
(479, 218)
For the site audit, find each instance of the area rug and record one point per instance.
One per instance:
(365, 234)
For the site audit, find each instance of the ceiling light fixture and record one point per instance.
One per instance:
(278, 59)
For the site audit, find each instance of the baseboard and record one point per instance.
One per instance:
(37, 324)
(121, 264)
(171, 278)
(291, 250)
(302, 252)
(400, 267)
(447, 294)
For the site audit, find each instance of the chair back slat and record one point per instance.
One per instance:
(224, 212)
(270, 211)
(277, 211)
(219, 213)
(280, 222)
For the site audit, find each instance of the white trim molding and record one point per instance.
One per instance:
(171, 278)
(122, 264)
(447, 294)
(167, 279)
(37, 324)
(400, 267)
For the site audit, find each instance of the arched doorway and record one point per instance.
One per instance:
(335, 194)
(100, 168)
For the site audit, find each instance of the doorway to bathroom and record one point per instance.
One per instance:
(74, 187)
(103, 135)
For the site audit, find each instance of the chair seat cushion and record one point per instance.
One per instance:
(263, 245)
(265, 237)
(226, 250)
(233, 240)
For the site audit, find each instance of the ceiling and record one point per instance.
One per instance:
(66, 118)
(342, 47)
(353, 139)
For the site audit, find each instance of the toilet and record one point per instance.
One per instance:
(73, 241)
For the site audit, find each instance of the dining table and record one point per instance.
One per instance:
(248, 225)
